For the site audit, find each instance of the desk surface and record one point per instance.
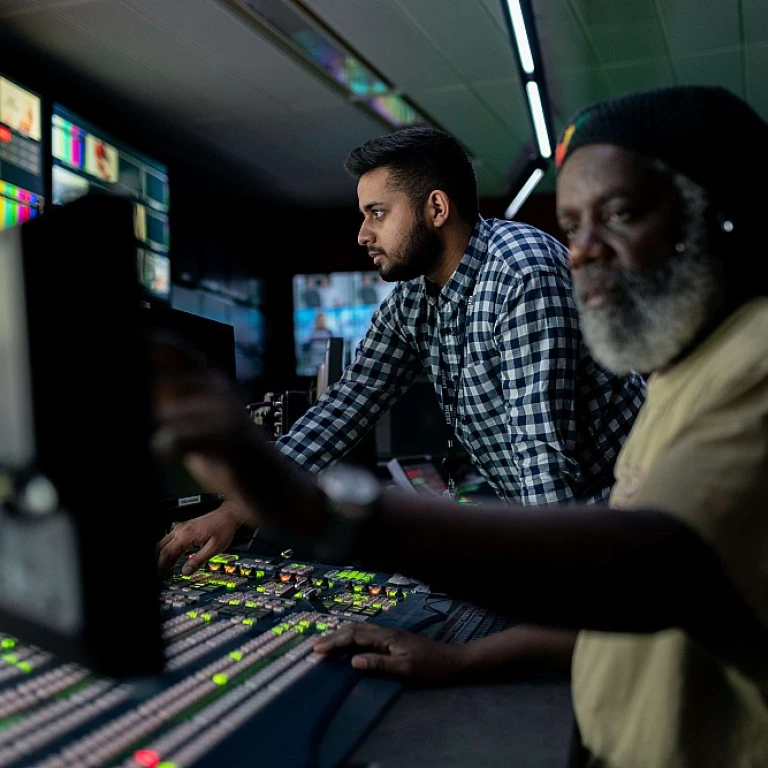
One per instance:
(524, 724)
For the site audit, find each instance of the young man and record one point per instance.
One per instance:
(485, 309)
(671, 664)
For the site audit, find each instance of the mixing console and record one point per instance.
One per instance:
(242, 686)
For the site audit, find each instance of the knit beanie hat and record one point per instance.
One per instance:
(706, 133)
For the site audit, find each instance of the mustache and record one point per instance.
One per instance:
(593, 277)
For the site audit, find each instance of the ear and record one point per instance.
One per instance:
(437, 208)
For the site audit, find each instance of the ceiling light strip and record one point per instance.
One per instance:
(299, 32)
(517, 203)
(521, 36)
(522, 31)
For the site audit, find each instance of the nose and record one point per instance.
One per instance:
(365, 235)
(585, 245)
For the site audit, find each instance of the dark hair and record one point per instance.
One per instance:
(421, 158)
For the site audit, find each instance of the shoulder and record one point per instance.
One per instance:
(524, 248)
(734, 358)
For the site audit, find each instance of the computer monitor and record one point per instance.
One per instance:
(339, 304)
(76, 471)
(332, 367)
(86, 158)
(21, 155)
(178, 495)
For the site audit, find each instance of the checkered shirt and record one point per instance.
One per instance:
(541, 421)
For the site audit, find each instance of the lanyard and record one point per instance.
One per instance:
(450, 399)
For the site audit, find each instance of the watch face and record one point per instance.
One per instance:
(350, 485)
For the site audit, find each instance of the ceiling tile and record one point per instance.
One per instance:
(624, 31)
(722, 68)
(564, 46)
(387, 38)
(571, 91)
(495, 10)
(757, 82)
(472, 44)
(694, 27)
(755, 14)
(504, 99)
(639, 75)
(223, 36)
(17, 7)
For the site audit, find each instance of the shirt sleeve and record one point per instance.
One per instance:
(538, 337)
(713, 475)
(385, 365)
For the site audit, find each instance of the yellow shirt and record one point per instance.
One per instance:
(699, 451)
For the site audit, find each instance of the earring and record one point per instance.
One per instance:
(679, 247)
(727, 226)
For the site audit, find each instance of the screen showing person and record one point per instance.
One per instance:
(338, 304)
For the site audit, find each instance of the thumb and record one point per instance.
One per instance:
(201, 557)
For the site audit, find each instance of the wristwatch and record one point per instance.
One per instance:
(352, 495)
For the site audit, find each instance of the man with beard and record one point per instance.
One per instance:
(670, 663)
(482, 307)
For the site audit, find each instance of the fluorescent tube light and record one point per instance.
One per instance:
(537, 114)
(521, 36)
(524, 193)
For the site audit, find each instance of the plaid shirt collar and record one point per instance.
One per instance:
(461, 284)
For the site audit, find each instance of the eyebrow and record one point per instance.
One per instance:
(611, 194)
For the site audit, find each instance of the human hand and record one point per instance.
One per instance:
(396, 652)
(202, 419)
(213, 533)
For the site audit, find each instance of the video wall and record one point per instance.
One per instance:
(21, 154)
(87, 159)
(50, 155)
(338, 304)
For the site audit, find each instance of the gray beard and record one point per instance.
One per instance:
(657, 317)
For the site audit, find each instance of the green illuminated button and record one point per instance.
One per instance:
(7, 642)
(236, 655)
(220, 679)
(24, 666)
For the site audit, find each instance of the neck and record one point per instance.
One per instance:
(454, 245)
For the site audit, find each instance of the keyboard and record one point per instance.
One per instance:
(467, 622)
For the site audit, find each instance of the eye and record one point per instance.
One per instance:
(377, 213)
(619, 216)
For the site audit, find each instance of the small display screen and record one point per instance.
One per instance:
(21, 176)
(339, 304)
(87, 159)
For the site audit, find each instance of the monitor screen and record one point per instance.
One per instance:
(75, 462)
(21, 175)
(339, 304)
(88, 159)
